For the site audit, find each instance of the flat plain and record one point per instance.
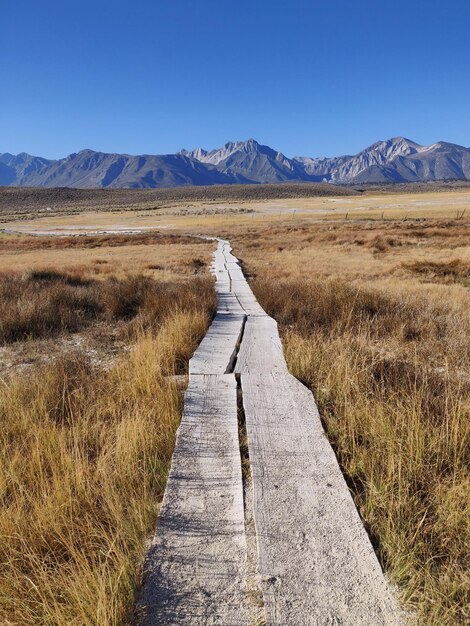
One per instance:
(370, 291)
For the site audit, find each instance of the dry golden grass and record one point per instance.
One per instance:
(21, 243)
(167, 260)
(85, 449)
(387, 353)
(112, 277)
(21, 201)
(210, 213)
(48, 302)
(374, 317)
(450, 271)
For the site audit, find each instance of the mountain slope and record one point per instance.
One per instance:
(404, 161)
(394, 160)
(249, 161)
(15, 168)
(89, 169)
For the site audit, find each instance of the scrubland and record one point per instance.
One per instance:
(148, 254)
(85, 449)
(374, 316)
(23, 203)
(375, 319)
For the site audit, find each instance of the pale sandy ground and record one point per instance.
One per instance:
(210, 216)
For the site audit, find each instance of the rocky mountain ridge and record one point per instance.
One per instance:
(394, 160)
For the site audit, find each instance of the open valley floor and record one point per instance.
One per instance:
(361, 298)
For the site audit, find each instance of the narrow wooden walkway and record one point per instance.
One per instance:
(315, 563)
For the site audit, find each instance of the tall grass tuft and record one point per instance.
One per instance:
(391, 375)
(47, 303)
(84, 455)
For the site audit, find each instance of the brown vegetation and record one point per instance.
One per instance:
(106, 257)
(87, 435)
(374, 318)
(387, 354)
(93, 241)
(84, 451)
(454, 270)
(48, 302)
(37, 201)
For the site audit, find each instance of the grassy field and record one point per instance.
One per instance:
(375, 320)
(149, 254)
(85, 444)
(24, 203)
(212, 209)
(371, 295)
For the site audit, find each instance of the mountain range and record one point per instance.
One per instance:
(391, 161)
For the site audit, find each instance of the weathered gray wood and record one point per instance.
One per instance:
(236, 274)
(221, 273)
(229, 257)
(227, 302)
(219, 265)
(250, 305)
(194, 571)
(222, 284)
(246, 298)
(219, 257)
(219, 262)
(241, 286)
(230, 265)
(316, 562)
(217, 351)
(261, 348)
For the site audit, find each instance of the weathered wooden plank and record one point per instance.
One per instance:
(222, 285)
(194, 571)
(261, 348)
(241, 287)
(229, 257)
(217, 351)
(250, 305)
(227, 302)
(230, 265)
(219, 269)
(219, 257)
(317, 566)
(236, 274)
(219, 262)
(246, 298)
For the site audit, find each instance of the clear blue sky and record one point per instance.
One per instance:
(304, 76)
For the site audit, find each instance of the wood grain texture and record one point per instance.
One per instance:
(232, 266)
(227, 252)
(218, 350)
(316, 563)
(236, 274)
(250, 307)
(228, 302)
(194, 572)
(261, 348)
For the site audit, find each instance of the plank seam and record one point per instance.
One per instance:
(233, 359)
(255, 593)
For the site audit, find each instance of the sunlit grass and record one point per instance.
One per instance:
(84, 455)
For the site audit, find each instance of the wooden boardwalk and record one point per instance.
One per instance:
(314, 563)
